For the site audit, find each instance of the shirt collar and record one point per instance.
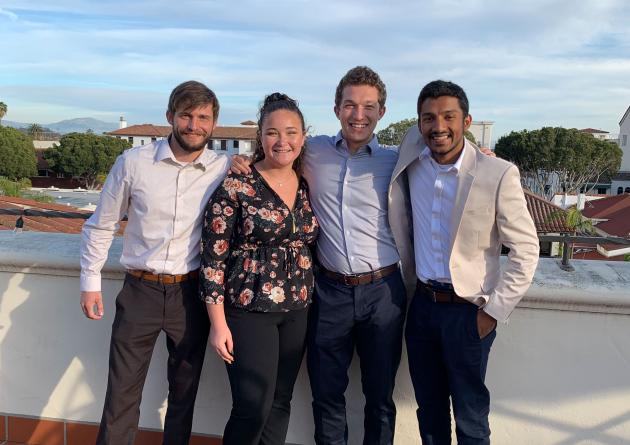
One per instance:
(370, 147)
(164, 152)
(426, 153)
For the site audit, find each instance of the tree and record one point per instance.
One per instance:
(17, 155)
(3, 111)
(393, 134)
(85, 156)
(559, 159)
(35, 131)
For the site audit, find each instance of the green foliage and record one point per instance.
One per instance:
(471, 137)
(559, 159)
(35, 131)
(626, 257)
(85, 156)
(20, 189)
(3, 111)
(17, 155)
(393, 134)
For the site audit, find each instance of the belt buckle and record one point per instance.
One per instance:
(347, 278)
(433, 297)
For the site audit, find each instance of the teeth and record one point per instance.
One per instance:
(358, 125)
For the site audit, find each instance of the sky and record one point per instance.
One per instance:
(524, 64)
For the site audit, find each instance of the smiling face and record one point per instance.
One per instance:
(282, 137)
(359, 112)
(442, 123)
(192, 127)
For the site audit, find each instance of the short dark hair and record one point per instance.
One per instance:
(439, 88)
(192, 94)
(275, 102)
(361, 75)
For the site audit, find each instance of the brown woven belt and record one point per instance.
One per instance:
(441, 295)
(163, 277)
(360, 278)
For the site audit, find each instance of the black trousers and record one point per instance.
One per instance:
(268, 352)
(447, 362)
(369, 317)
(143, 309)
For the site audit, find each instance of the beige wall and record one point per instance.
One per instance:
(558, 371)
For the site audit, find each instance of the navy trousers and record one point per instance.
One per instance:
(447, 362)
(369, 317)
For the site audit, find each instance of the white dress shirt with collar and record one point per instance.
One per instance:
(164, 200)
(434, 187)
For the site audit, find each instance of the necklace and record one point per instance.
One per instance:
(282, 181)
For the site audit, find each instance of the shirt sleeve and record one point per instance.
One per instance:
(218, 225)
(98, 231)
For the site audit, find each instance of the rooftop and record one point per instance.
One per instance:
(150, 130)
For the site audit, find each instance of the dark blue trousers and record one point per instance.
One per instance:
(369, 317)
(447, 362)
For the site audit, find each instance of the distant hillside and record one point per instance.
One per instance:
(80, 125)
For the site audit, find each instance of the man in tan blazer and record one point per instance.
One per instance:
(450, 209)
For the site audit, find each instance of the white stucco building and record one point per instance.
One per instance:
(482, 131)
(621, 182)
(233, 140)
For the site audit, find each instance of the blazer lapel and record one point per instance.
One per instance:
(466, 179)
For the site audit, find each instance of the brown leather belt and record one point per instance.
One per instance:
(163, 277)
(444, 294)
(360, 278)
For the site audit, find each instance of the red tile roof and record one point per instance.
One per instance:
(547, 217)
(614, 209)
(150, 130)
(593, 130)
(42, 217)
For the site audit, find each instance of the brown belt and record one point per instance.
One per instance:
(163, 277)
(360, 278)
(441, 295)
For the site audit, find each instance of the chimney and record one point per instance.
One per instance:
(122, 123)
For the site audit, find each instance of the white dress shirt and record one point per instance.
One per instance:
(433, 188)
(164, 200)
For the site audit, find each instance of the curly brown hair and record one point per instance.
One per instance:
(361, 75)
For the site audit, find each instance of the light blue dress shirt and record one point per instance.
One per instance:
(349, 197)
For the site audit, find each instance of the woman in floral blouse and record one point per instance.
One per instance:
(257, 276)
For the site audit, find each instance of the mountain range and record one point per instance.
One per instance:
(81, 124)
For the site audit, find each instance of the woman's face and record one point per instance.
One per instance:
(282, 137)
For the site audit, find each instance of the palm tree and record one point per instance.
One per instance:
(3, 111)
(35, 130)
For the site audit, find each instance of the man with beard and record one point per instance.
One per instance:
(162, 187)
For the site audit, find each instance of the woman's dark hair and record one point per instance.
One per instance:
(275, 102)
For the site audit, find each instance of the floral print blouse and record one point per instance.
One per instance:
(254, 249)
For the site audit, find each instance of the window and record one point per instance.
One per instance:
(153, 139)
(627, 190)
(619, 190)
(624, 140)
(211, 144)
(235, 144)
(601, 190)
(223, 144)
(130, 139)
(60, 175)
(141, 141)
(42, 172)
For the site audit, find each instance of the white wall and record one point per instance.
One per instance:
(624, 143)
(482, 130)
(558, 371)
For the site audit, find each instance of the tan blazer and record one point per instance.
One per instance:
(489, 210)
